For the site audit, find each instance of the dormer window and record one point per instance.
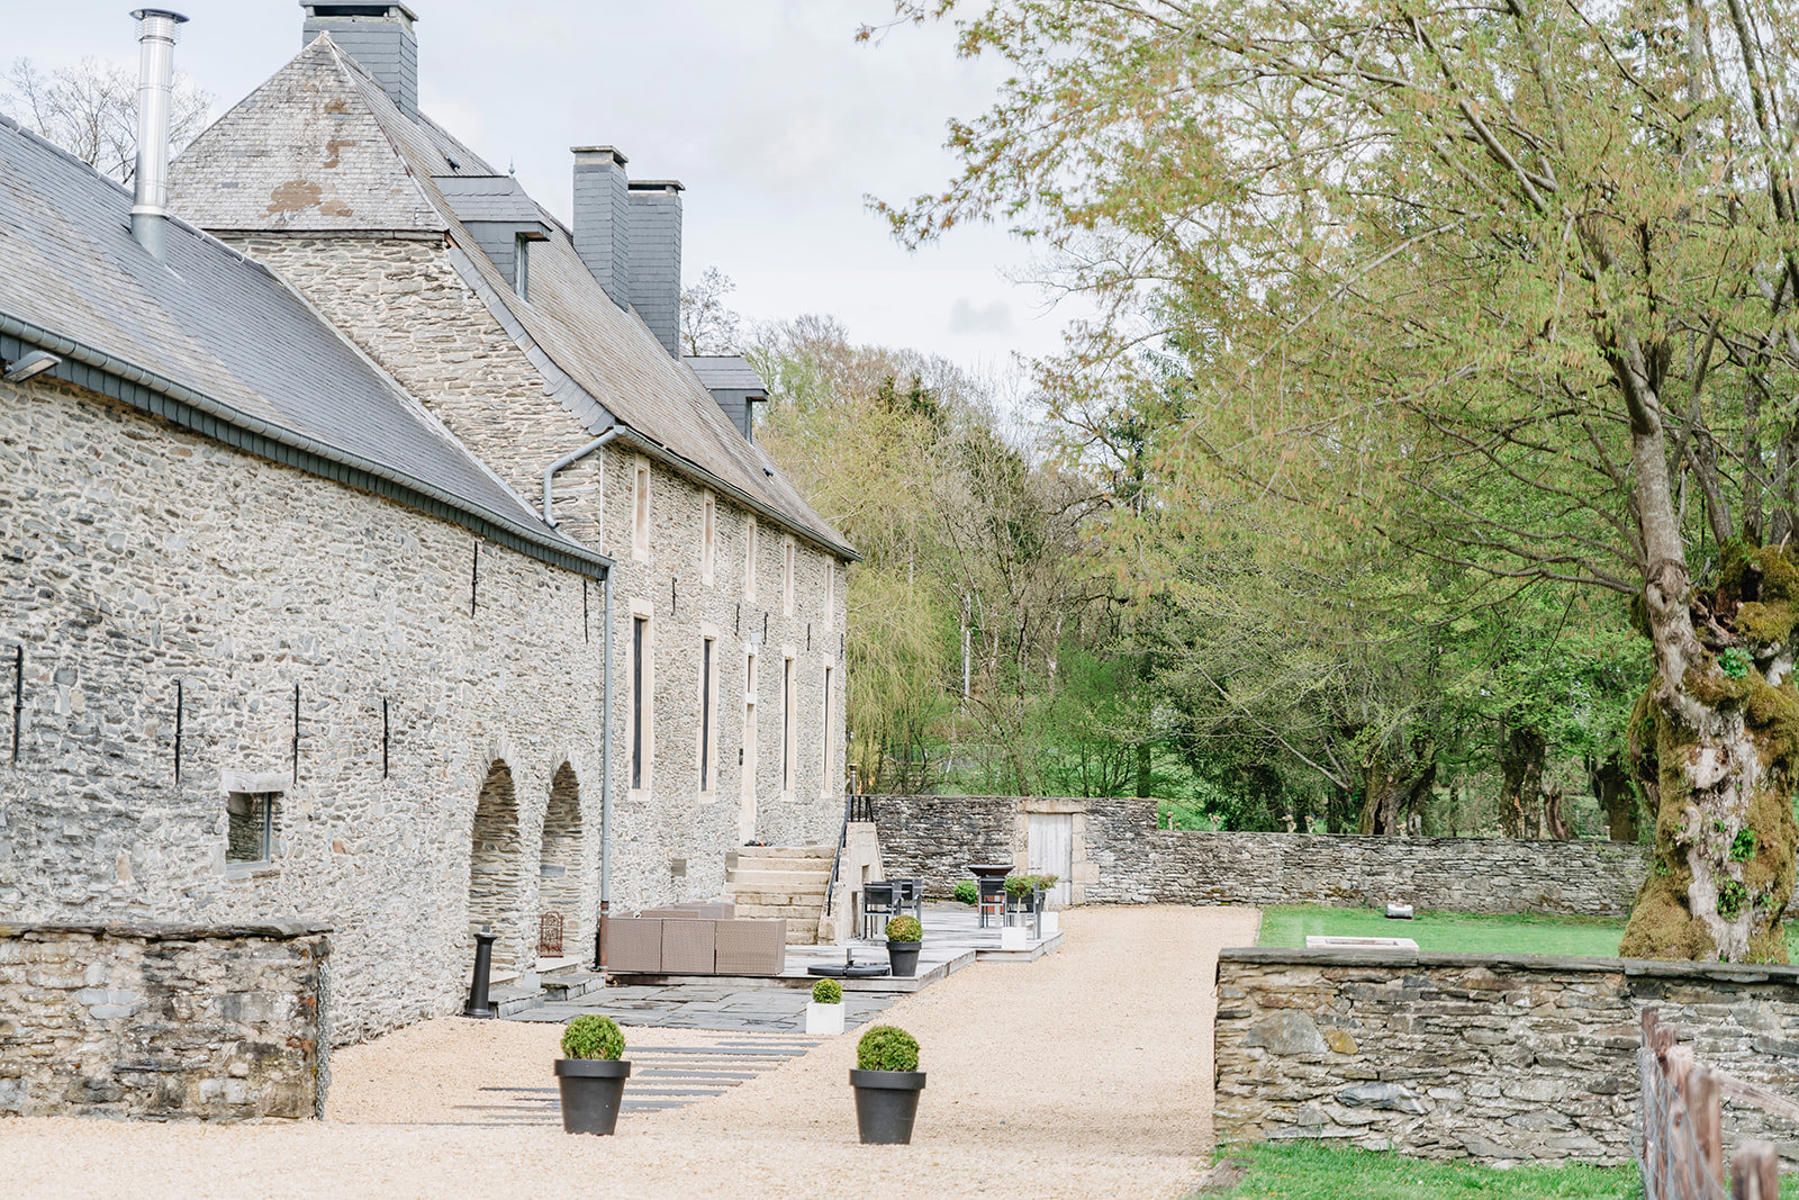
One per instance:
(521, 266)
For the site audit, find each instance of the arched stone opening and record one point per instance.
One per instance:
(559, 882)
(496, 869)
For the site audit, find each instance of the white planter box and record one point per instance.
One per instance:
(823, 1020)
(1052, 923)
(1014, 937)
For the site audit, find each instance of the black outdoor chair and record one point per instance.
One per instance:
(880, 900)
(993, 899)
(910, 895)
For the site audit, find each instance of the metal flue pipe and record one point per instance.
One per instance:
(155, 99)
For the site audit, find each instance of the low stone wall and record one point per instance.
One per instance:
(163, 1021)
(1120, 857)
(1483, 1057)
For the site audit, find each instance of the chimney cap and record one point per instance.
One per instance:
(342, 8)
(141, 14)
(587, 151)
(657, 185)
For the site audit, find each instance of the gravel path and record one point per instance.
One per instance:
(1085, 1074)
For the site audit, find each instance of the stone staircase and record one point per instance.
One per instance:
(781, 881)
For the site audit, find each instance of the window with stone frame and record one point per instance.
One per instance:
(830, 594)
(708, 714)
(708, 538)
(250, 827)
(641, 716)
(830, 743)
(640, 510)
(788, 552)
(789, 728)
(749, 559)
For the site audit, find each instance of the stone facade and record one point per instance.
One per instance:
(1120, 857)
(403, 301)
(1483, 1057)
(163, 584)
(148, 1021)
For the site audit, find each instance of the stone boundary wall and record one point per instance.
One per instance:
(1485, 1057)
(163, 1022)
(1120, 857)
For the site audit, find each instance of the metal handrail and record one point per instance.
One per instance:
(855, 808)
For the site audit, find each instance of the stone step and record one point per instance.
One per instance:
(791, 912)
(824, 852)
(791, 882)
(796, 866)
(812, 902)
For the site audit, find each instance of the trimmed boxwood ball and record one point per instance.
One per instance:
(905, 929)
(887, 1048)
(827, 991)
(593, 1037)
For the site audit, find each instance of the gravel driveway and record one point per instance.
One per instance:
(1086, 1074)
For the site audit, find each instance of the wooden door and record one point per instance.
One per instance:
(1050, 851)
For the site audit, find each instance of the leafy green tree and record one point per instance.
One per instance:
(1513, 286)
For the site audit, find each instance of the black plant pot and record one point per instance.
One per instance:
(886, 1105)
(903, 957)
(592, 1090)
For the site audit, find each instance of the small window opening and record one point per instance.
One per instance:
(250, 827)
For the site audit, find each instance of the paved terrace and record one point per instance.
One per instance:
(953, 942)
(1087, 1073)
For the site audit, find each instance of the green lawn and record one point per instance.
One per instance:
(1455, 933)
(1310, 1171)
(1461, 933)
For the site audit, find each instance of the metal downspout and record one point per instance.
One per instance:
(569, 460)
(606, 753)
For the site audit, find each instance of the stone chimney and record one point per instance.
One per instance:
(379, 37)
(655, 279)
(603, 219)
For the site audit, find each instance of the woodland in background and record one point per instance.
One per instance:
(1024, 622)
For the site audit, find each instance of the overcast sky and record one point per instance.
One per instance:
(770, 112)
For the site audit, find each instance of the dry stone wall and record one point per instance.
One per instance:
(1122, 858)
(162, 1022)
(1483, 1057)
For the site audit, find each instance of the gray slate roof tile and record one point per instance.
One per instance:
(222, 326)
(614, 363)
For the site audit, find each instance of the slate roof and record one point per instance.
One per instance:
(487, 198)
(726, 372)
(241, 356)
(603, 363)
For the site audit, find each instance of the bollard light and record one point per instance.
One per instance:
(477, 1005)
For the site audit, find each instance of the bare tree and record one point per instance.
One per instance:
(90, 110)
(707, 325)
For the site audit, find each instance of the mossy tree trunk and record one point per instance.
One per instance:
(1617, 798)
(1716, 747)
(1394, 783)
(1521, 755)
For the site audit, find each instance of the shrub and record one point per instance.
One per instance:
(1047, 882)
(905, 929)
(827, 991)
(968, 892)
(1020, 885)
(887, 1048)
(593, 1037)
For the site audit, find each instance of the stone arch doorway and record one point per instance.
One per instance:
(559, 863)
(496, 873)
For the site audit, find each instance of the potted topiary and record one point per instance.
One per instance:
(824, 1012)
(887, 1082)
(591, 1075)
(904, 936)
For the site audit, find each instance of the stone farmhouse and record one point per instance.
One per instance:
(372, 554)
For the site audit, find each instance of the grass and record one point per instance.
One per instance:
(1461, 933)
(1314, 1171)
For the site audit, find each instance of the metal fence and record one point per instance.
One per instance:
(1683, 1125)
